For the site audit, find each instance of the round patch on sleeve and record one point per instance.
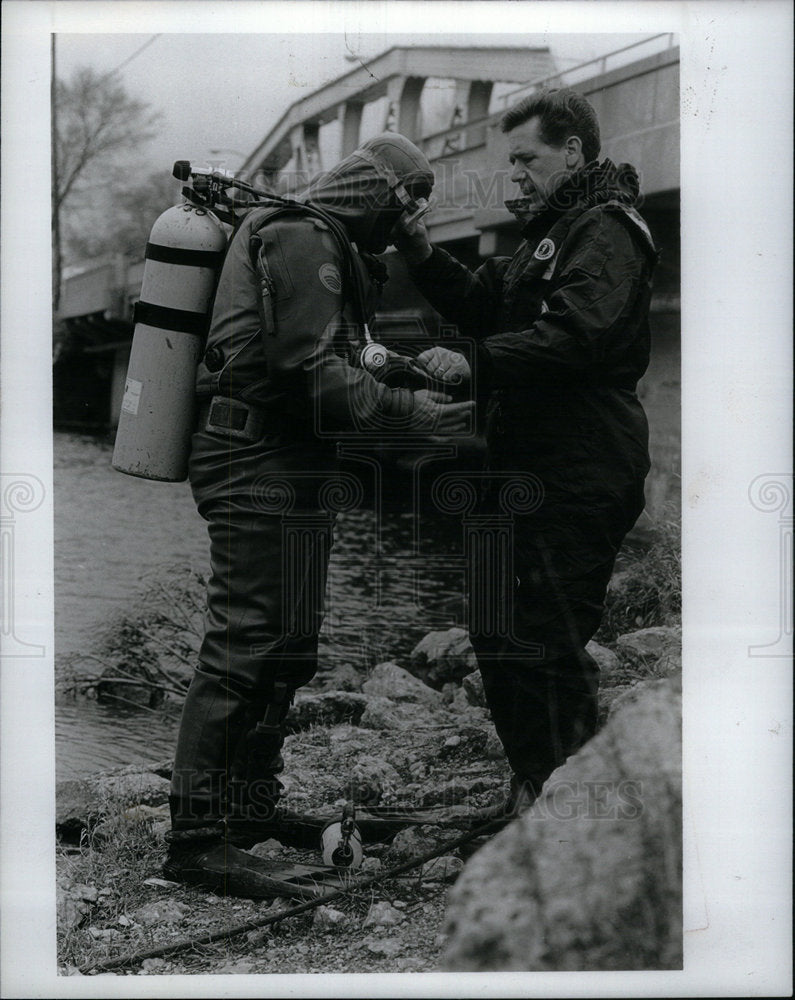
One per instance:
(545, 249)
(329, 275)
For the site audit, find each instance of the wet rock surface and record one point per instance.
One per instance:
(607, 661)
(653, 652)
(443, 656)
(472, 685)
(388, 680)
(81, 804)
(326, 709)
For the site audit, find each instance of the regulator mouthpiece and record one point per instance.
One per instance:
(411, 218)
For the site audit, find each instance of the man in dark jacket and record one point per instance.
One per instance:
(562, 340)
(278, 383)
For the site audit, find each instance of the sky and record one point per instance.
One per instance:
(225, 91)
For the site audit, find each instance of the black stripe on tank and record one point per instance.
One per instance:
(179, 255)
(179, 320)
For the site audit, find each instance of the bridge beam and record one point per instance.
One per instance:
(351, 120)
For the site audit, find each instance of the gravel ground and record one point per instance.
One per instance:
(114, 901)
(403, 932)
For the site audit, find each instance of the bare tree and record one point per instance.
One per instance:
(94, 118)
(92, 228)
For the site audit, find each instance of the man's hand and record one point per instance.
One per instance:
(441, 418)
(412, 241)
(445, 365)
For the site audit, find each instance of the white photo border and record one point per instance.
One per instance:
(737, 388)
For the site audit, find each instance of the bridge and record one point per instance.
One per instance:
(449, 101)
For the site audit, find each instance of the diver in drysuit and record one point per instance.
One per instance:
(275, 384)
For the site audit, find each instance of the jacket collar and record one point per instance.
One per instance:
(594, 184)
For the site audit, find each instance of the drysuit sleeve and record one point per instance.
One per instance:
(582, 329)
(470, 299)
(299, 269)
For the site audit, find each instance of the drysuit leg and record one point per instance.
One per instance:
(264, 611)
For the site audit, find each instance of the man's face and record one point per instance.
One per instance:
(537, 168)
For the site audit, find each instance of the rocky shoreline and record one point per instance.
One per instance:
(418, 736)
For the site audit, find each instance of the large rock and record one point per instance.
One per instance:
(76, 809)
(384, 714)
(590, 877)
(81, 804)
(370, 779)
(388, 680)
(325, 709)
(443, 656)
(606, 660)
(609, 696)
(383, 914)
(154, 819)
(453, 792)
(344, 677)
(632, 693)
(413, 841)
(161, 911)
(472, 685)
(327, 920)
(72, 907)
(131, 789)
(460, 706)
(445, 868)
(652, 652)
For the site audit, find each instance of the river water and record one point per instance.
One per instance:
(113, 531)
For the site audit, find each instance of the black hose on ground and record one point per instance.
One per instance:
(250, 925)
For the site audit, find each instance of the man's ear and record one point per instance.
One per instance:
(574, 155)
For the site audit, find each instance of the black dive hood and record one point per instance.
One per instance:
(368, 190)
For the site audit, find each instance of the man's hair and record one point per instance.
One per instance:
(561, 113)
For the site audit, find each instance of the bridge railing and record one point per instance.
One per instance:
(593, 67)
(473, 134)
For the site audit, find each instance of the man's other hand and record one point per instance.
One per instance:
(445, 365)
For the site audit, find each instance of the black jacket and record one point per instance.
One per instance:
(563, 337)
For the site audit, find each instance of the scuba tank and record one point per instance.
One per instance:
(183, 259)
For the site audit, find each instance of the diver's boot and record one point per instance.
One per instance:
(205, 858)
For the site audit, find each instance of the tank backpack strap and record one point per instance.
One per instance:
(353, 284)
(238, 222)
(265, 308)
